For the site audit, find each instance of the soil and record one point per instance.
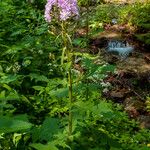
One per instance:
(131, 81)
(131, 86)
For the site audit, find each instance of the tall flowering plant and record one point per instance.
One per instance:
(66, 9)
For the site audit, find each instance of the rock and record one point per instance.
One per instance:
(115, 94)
(132, 111)
(134, 102)
(144, 121)
(98, 42)
(133, 107)
(138, 66)
(111, 59)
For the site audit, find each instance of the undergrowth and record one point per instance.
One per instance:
(34, 94)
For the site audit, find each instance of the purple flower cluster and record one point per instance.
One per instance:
(67, 9)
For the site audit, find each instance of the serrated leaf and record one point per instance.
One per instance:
(63, 92)
(8, 79)
(103, 109)
(39, 88)
(8, 125)
(107, 68)
(49, 128)
(18, 32)
(38, 77)
(39, 146)
(42, 29)
(12, 96)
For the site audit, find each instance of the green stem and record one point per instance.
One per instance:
(69, 61)
(70, 101)
(87, 22)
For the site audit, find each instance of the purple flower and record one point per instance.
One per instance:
(67, 9)
(48, 8)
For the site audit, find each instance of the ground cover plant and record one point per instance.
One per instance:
(51, 85)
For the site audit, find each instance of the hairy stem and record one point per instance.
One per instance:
(87, 22)
(67, 44)
(70, 101)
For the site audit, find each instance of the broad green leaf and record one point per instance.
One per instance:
(8, 79)
(49, 128)
(103, 107)
(63, 92)
(2, 95)
(38, 88)
(39, 146)
(42, 29)
(7, 87)
(21, 117)
(25, 99)
(38, 77)
(16, 138)
(12, 96)
(77, 41)
(18, 32)
(8, 124)
(1, 68)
